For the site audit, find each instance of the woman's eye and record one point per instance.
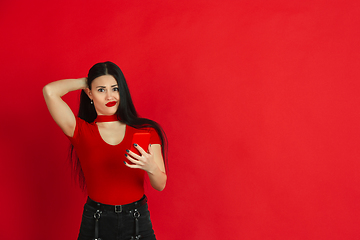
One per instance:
(116, 89)
(101, 90)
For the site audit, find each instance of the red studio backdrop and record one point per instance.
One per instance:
(259, 100)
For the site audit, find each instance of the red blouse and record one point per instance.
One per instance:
(107, 178)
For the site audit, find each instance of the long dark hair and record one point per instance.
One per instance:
(126, 112)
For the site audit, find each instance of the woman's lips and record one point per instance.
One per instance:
(111, 104)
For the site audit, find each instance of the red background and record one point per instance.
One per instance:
(259, 100)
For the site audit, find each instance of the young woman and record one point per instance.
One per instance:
(101, 136)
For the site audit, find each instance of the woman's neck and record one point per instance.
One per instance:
(107, 118)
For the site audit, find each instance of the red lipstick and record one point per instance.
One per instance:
(111, 104)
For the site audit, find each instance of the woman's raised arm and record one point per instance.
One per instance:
(58, 109)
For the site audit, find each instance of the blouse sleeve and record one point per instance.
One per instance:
(75, 139)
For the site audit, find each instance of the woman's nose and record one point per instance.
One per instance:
(109, 94)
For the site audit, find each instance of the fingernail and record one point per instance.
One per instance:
(127, 150)
(135, 144)
(124, 162)
(126, 155)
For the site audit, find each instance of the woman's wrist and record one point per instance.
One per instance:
(83, 82)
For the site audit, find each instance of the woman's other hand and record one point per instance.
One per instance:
(152, 162)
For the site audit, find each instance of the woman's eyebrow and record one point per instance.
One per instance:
(105, 86)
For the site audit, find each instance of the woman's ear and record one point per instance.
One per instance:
(88, 92)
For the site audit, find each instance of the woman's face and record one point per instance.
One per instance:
(105, 95)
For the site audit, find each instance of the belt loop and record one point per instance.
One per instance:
(97, 216)
(136, 215)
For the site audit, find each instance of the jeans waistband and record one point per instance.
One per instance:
(117, 208)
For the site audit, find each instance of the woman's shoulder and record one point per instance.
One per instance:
(82, 125)
(82, 122)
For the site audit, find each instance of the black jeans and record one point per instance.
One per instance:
(116, 226)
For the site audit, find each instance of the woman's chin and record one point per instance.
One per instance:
(111, 111)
